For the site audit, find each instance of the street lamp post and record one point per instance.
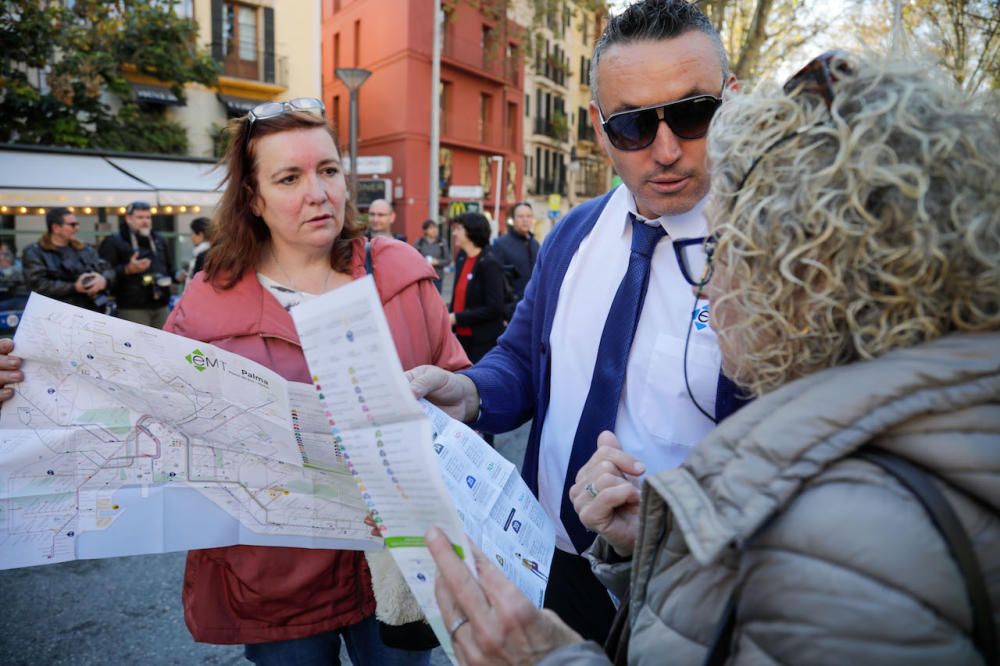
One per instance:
(352, 77)
(497, 184)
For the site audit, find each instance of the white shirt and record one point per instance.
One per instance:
(657, 422)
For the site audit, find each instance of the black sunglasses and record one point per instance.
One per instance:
(694, 257)
(816, 78)
(636, 129)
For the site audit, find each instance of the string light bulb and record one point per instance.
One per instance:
(22, 210)
(183, 209)
(153, 210)
(87, 210)
(121, 210)
(41, 211)
(196, 209)
(3, 209)
(168, 209)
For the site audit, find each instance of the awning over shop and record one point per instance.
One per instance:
(161, 95)
(176, 182)
(59, 179)
(238, 106)
(46, 178)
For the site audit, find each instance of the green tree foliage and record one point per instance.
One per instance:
(761, 35)
(962, 36)
(62, 72)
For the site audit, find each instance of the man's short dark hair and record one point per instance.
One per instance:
(477, 228)
(199, 225)
(137, 205)
(56, 216)
(519, 204)
(427, 224)
(654, 20)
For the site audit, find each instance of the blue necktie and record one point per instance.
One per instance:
(601, 407)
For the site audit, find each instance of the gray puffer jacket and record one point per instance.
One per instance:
(844, 565)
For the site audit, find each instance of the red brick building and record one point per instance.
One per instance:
(482, 99)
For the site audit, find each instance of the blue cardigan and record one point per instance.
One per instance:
(513, 378)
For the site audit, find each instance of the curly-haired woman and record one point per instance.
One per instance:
(855, 284)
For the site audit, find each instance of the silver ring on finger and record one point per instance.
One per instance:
(455, 626)
(590, 489)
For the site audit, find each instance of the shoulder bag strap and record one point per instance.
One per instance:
(943, 516)
(918, 482)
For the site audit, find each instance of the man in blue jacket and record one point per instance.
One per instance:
(577, 357)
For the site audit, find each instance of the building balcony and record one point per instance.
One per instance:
(483, 62)
(552, 129)
(262, 66)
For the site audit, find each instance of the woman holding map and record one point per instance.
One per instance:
(285, 233)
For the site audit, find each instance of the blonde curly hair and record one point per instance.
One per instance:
(875, 227)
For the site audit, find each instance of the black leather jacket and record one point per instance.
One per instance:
(52, 271)
(138, 291)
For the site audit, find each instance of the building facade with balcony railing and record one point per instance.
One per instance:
(481, 100)
(255, 43)
(563, 165)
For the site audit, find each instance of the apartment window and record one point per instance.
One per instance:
(485, 102)
(243, 40)
(336, 115)
(511, 68)
(357, 43)
(336, 50)
(240, 40)
(510, 129)
(446, 32)
(445, 92)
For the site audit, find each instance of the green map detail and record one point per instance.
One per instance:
(115, 419)
(415, 542)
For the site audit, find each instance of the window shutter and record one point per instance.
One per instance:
(217, 44)
(269, 44)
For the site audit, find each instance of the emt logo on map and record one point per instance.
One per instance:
(198, 359)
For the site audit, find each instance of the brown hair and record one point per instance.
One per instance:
(238, 234)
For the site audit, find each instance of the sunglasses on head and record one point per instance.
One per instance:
(275, 109)
(816, 78)
(636, 129)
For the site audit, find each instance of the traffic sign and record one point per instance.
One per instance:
(371, 165)
(465, 192)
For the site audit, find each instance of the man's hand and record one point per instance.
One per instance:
(604, 496)
(90, 283)
(136, 265)
(504, 626)
(10, 372)
(455, 394)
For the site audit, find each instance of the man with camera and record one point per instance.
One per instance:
(64, 268)
(144, 267)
